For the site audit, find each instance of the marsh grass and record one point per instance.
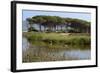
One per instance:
(57, 38)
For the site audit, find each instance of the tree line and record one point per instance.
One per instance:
(56, 23)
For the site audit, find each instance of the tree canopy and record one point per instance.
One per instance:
(54, 22)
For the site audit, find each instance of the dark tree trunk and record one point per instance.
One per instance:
(44, 28)
(57, 27)
(87, 30)
(40, 27)
(61, 28)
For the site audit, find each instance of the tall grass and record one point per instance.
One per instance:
(57, 38)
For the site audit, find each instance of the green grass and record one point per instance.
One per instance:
(58, 38)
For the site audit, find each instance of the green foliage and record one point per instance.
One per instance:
(48, 30)
(29, 20)
(56, 38)
(53, 21)
(32, 29)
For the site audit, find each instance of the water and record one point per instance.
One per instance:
(25, 44)
(38, 53)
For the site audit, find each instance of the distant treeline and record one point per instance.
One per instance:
(58, 24)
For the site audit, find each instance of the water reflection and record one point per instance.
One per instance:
(78, 54)
(38, 52)
(25, 44)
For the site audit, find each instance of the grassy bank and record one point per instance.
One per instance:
(58, 38)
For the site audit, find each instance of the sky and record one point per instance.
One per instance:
(78, 15)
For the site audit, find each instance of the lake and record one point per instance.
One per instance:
(38, 52)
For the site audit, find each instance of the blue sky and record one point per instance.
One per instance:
(31, 13)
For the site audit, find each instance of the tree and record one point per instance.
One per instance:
(60, 22)
(52, 23)
(30, 21)
(39, 20)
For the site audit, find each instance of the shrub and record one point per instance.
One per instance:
(32, 29)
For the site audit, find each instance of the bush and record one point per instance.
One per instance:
(32, 29)
(55, 38)
(48, 30)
